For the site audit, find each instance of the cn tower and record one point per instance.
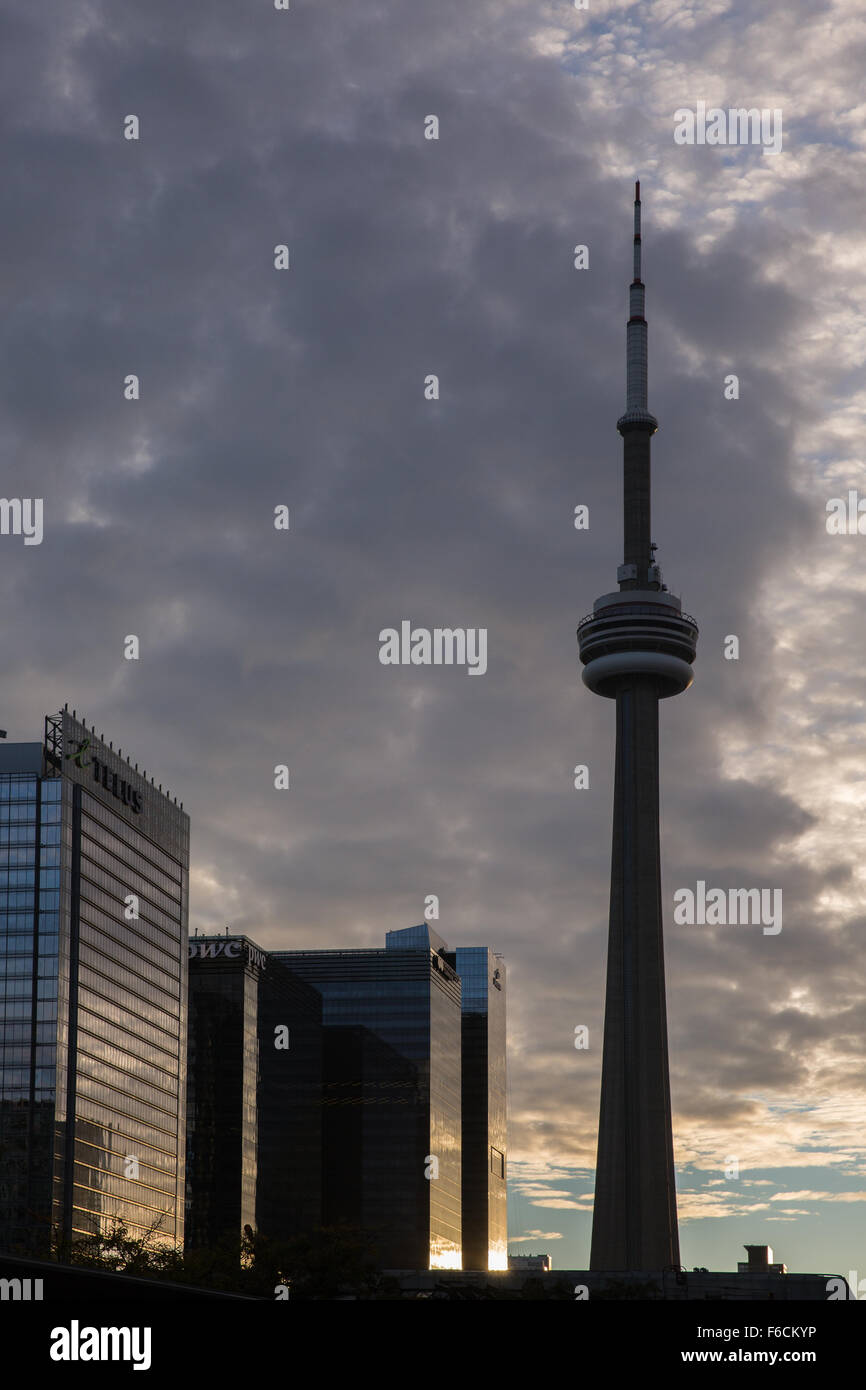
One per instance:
(637, 647)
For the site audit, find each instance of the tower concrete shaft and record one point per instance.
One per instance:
(637, 647)
(634, 1225)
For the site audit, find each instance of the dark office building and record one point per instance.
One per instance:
(93, 951)
(254, 1112)
(372, 1106)
(485, 1200)
(483, 1094)
(391, 1098)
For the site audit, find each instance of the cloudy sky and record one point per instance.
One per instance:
(305, 388)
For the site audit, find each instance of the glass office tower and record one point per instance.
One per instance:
(485, 1205)
(93, 954)
(254, 1095)
(391, 1105)
(483, 1091)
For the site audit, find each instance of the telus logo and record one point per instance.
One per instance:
(117, 785)
(111, 781)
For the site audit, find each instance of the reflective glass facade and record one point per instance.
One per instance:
(93, 916)
(484, 1094)
(485, 1222)
(391, 1099)
(254, 1112)
(30, 831)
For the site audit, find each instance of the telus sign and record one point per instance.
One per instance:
(111, 781)
(229, 948)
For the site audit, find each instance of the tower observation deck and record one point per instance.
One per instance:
(637, 647)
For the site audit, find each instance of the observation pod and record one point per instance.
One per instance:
(637, 633)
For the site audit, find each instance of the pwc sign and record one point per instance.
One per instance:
(229, 948)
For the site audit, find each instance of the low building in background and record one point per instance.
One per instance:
(760, 1261)
(529, 1262)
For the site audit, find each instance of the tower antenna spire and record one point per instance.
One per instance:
(636, 351)
(637, 425)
